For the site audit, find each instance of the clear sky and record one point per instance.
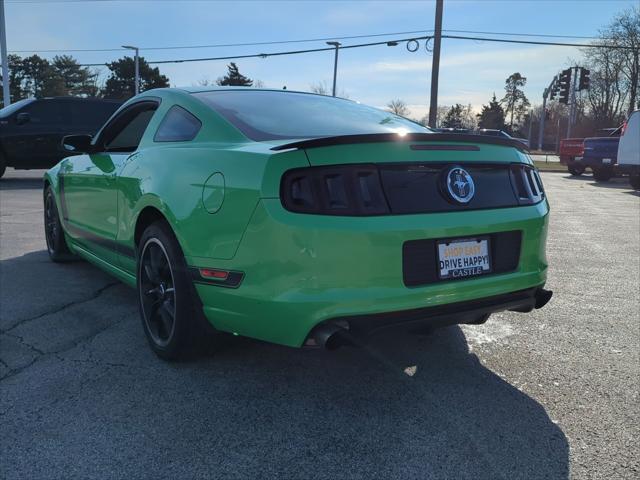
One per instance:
(470, 71)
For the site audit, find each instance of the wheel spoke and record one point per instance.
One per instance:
(157, 293)
(165, 321)
(151, 275)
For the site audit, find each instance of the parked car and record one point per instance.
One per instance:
(501, 133)
(572, 149)
(31, 129)
(298, 219)
(629, 150)
(600, 154)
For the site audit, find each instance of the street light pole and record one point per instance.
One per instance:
(137, 66)
(435, 65)
(335, 64)
(6, 94)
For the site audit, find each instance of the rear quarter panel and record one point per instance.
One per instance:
(173, 179)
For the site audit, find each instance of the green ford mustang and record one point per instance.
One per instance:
(297, 219)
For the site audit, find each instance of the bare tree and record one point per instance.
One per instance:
(608, 91)
(398, 107)
(615, 72)
(625, 31)
(321, 88)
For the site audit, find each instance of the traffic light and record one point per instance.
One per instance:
(584, 79)
(565, 86)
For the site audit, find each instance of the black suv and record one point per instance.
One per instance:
(31, 130)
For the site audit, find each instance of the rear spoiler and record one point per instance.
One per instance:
(409, 137)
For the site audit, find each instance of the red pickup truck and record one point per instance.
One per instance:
(571, 152)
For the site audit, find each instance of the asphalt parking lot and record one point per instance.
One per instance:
(551, 394)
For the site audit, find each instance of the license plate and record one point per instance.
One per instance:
(606, 160)
(463, 258)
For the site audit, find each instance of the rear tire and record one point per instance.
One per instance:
(53, 232)
(602, 174)
(634, 181)
(170, 309)
(576, 170)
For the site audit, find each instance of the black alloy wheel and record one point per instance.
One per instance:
(170, 309)
(53, 233)
(157, 292)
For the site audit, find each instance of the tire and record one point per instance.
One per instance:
(3, 165)
(602, 174)
(170, 309)
(576, 170)
(53, 232)
(634, 181)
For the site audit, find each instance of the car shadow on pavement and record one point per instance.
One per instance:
(402, 406)
(20, 183)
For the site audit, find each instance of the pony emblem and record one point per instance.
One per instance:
(459, 185)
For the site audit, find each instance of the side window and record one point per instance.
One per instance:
(123, 133)
(178, 125)
(91, 114)
(48, 112)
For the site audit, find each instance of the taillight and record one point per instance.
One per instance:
(624, 128)
(338, 190)
(527, 184)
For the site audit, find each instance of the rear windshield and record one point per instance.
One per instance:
(272, 115)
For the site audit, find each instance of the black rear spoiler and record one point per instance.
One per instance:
(394, 137)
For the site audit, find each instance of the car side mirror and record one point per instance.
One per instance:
(23, 117)
(77, 143)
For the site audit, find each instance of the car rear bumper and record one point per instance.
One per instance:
(598, 162)
(302, 270)
(426, 318)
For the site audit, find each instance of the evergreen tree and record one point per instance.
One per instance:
(454, 117)
(121, 83)
(515, 101)
(492, 115)
(234, 77)
(76, 80)
(16, 79)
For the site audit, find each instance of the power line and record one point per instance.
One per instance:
(218, 45)
(265, 55)
(534, 42)
(509, 34)
(323, 49)
(308, 40)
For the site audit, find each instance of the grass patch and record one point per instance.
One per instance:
(550, 166)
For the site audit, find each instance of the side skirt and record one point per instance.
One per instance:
(120, 274)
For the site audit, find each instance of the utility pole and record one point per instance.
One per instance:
(335, 65)
(543, 117)
(137, 67)
(6, 94)
(572, 108)
(435, 64)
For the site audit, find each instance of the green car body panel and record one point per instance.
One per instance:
(220, 194)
